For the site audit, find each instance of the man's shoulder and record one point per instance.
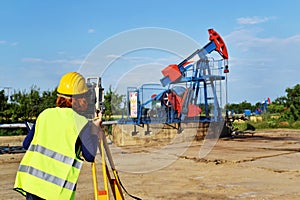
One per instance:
(49, 111)
(66, 112)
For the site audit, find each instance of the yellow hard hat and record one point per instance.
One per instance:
(72, 83)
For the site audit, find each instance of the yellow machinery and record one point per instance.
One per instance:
(110, 184)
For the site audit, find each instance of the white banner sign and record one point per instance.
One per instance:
(133, 104)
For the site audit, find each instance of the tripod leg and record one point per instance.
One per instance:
(95, 181)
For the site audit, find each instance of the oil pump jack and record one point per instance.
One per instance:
(190, 91)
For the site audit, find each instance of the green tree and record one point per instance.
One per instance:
(239, 108)
(3, 106)
(48, 100)
(26, 104)
(3, 101)
(112, 103)
(278, 105)
(293, 103)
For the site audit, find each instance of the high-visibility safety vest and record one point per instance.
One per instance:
(50, 168)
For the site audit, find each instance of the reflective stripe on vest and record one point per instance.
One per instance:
(47, 177)
(55, 155)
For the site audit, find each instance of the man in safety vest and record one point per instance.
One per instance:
(52, 162)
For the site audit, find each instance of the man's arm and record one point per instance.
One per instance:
(29, 137)
(89, 142)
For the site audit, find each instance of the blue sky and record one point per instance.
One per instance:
(41, 40)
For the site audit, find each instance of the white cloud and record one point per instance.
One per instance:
(292, 39)
(56, 61)
(11, 44)
(14, 44)
(145, 59)
(253, 20)
(61, 53)
(91, 30)
(32, 60)
(249, 41)
(113, 56)
(129, 58)
(268, 63)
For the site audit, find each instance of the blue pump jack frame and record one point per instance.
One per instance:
(170, 117)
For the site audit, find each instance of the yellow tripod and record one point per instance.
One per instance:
(114, 183)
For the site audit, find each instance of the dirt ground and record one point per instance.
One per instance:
(263, 166)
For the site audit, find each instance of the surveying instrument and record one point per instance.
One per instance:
(111, 183)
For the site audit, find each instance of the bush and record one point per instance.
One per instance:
(239, 125)
(283, 124)
(265, 124)
(296, 125)
(13, 131)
